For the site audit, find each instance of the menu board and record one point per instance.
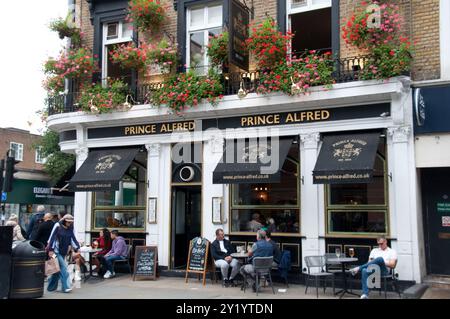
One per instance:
(198, 254)
(145, 262)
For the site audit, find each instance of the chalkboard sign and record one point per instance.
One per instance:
(198, 257)
(145, 262)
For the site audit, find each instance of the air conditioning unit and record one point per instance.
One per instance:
(298, 3)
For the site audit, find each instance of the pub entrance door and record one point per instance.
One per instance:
(186, 222)
(436, 213)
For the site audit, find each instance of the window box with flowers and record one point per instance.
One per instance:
(186, 90)
(98, 99)
(76, 64)
(378, 30)
(164, 55)
(147, 15)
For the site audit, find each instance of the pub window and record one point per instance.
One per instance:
(273, 205)
(202, 23)
(124, 208)
(310, 21)
(114, 34)
(360, 209)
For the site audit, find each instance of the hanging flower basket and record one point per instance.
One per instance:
(147, 15)
(218, 49)
(128, 56)
(164, 54)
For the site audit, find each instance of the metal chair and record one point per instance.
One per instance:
(126, 260)
(391, 277)
(318, 262)
(262, 267)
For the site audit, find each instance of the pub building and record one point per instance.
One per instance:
(343, 172)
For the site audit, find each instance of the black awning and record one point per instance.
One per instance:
(102, 170)
(252, 161)
(346, 158)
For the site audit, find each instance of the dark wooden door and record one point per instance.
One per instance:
(436, 212)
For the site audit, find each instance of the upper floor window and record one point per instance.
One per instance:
(202, 23)
(310, 21)
(115, 33)
(40, 159)
(16, 151)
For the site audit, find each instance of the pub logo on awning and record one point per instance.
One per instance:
(106, 163)
(347, 151)
(254, 152)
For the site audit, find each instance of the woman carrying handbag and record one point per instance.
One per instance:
(61, 238)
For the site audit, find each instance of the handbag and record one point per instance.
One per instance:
(51, 266)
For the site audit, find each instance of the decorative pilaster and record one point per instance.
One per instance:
(399, 134)
(216, 144)
(310, 140)
(153, 150)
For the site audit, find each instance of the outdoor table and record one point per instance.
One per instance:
(91, 251)
(343, 261)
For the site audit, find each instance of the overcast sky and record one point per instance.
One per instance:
(26, 44)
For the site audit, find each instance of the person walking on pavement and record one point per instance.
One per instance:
(36, 220)
(45, 229)
(17, 231)
(61, 238)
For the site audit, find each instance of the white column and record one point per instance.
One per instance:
(310, 218)
(81, 209)
(158, 177)
(403, 211)
(212, 153)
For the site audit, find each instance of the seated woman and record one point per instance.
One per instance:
(104, 242)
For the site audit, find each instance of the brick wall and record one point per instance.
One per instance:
(421, 24)
(8, 135)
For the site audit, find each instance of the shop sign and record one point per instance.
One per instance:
(238, 34)
(445, 221)
(247, 121)
(443, 207)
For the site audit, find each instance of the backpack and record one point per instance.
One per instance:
(285, 264)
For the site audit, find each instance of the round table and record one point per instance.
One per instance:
(91, 251)
(242, 258)
(343, 261)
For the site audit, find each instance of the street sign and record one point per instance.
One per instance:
(4, 195)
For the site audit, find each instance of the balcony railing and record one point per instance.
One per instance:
(345, 70)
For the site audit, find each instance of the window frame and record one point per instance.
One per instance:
(106, 42)
(203, 28)
(19, 151)
(121, 209)
(268, 207)
(329, 208)
(38, 156)
(308, 7)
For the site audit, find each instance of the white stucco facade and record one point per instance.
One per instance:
(404, 214)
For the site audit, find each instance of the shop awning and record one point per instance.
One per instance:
(102, 170)
(346, 158)
(252, 161)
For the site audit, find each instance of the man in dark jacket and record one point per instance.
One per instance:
(276, 249)
(45, 229)
(35, 221)
(221, 249)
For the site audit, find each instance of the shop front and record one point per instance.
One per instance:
(28, 194)
(334, 169)
(432, 142)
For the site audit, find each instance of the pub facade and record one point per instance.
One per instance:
(333, 168)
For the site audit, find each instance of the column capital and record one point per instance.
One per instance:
(310, 140)
(153, 149)
(82, 152)
(399, 134)
(216, 144)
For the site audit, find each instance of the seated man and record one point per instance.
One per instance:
(276, 249)
(118, 251)
(383, 256)
(261, 248)
(221, 249)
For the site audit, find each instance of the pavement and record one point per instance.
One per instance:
(436, 293)
(123, 287)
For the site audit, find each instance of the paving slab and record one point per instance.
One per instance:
(123, 287)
